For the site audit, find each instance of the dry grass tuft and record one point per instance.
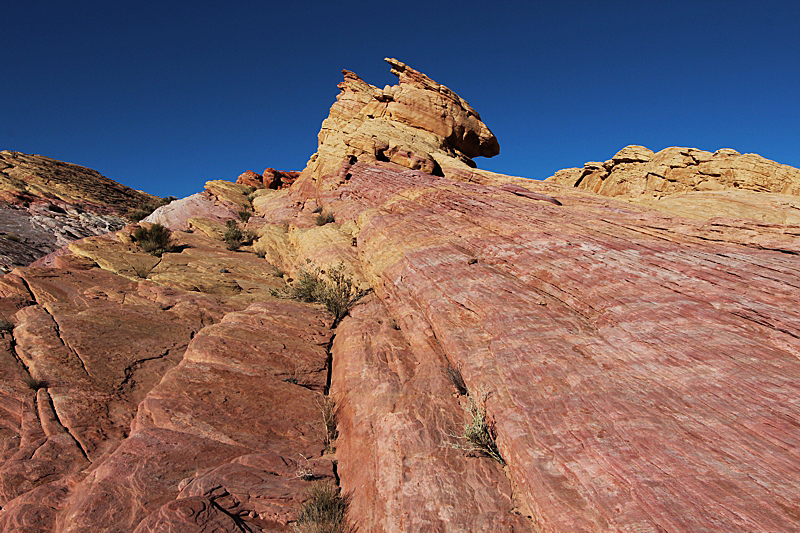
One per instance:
(325, 511)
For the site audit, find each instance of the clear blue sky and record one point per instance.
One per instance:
(162, 96)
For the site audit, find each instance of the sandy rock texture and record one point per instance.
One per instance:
(99, 433)
(636, 380)
(636, 367)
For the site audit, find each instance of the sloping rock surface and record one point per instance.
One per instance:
(637, 370)
(45, 204)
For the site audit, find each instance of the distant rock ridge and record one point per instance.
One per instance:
(31, 178)
(694, 183)
(637, 171)
(45, 204)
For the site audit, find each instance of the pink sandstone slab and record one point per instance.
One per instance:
(643, 371)
(218, 443)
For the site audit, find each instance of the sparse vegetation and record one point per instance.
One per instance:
(235, 237)
(325, 511)
(144, 211)
(304, 471)
(35, 384)
(155, 240)
(324, 218)
(453, 373)
(478, 432)
(5, 326)
(335, 289)
(244, 216)
(328, 409)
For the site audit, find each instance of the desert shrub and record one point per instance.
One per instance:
(324, 218)
(325, 510)
(340, 292)
(328, 409)
(335, 289)
(478, 434)
(5, 325)
(155, 240)
(244, 216)
(453, 373)
(138, 214)
(235, 237)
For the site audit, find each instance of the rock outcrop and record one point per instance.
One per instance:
(694, 183)
(418, 124)
(270, 179)
(45, 204)
(629, 368)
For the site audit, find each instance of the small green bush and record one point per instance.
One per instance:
(235, 237)
(325, 510)
(244, 216)
(138, 214)
(324, 218)
(335, 289)
(156, 240)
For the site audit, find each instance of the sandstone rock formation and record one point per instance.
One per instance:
(270, 179)
(639, 370)
(694, 183)
(418, 124)
(45, 204)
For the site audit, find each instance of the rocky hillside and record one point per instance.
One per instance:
(524, 356)
(695, 183)
(44, 204)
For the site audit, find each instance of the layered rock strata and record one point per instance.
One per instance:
(45, 204)
(638, 369)
(418, 124)
(695, 183)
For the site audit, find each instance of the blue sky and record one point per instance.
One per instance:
(163, 96)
